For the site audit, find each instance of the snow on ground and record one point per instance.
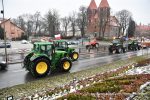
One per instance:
(139, 70)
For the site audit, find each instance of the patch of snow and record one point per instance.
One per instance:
(139, 70)
(144, 85)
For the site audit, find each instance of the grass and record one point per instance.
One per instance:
(59, 80)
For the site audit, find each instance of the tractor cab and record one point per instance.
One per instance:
(61, 45)
(44, 48)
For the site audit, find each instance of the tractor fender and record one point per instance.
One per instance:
(64, 58)
(32, 59)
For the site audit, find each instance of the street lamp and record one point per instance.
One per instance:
(4, 33)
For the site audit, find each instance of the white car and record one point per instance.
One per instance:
(24, 42)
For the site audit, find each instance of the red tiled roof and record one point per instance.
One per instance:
(143, 27)
(104, 3)
(11, 23)
(113, 21)
(92, 5)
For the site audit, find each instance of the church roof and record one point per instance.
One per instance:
(92, 5)
(104, 3)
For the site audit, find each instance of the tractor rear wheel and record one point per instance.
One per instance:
(74, 56)
(65, 64)
(41, 67)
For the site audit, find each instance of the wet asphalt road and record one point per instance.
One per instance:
(15, 74)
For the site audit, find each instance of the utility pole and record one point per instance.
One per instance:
(6, 58)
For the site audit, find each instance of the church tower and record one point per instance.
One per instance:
(91, 13)
(104, 8)
(104, 15)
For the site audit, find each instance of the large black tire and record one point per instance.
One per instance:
(74, 56)
(27, 60)
(139, 47)
(136, 47)
(110, 51)
(119, 50)
(41, 67)
(65, 64)
(124, 50)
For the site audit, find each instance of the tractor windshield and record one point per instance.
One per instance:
(61, 44)
(36, 47)
(46, 48)
(116, 41)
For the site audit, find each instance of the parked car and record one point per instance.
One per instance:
(73, 42)
(2, 45)
(2, 65)
(24, 42)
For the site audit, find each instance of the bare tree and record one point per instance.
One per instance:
(82, 20)
(20, 22)
(123, 17)
(65, 22)
(30, 23)
(104, 15)
(37, 22)
(72, 19)
(52, 20)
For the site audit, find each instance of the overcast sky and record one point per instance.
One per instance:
(13, 8)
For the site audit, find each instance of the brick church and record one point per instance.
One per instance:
(100, 22)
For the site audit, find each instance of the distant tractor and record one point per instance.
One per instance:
(92, 44)
(117, 46)
(134, 45)
(44, 58)
(62, 45)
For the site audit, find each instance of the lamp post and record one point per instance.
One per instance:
(4, 33)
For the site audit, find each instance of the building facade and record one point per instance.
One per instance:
(11, 29)
(143, 30)
(100, 22)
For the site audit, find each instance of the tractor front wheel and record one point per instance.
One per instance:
(74, 56)
(65, 64)
(41, 67)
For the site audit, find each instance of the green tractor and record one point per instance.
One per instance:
(117, 46)
(133, 45)
(62, 45)
(44, 59)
